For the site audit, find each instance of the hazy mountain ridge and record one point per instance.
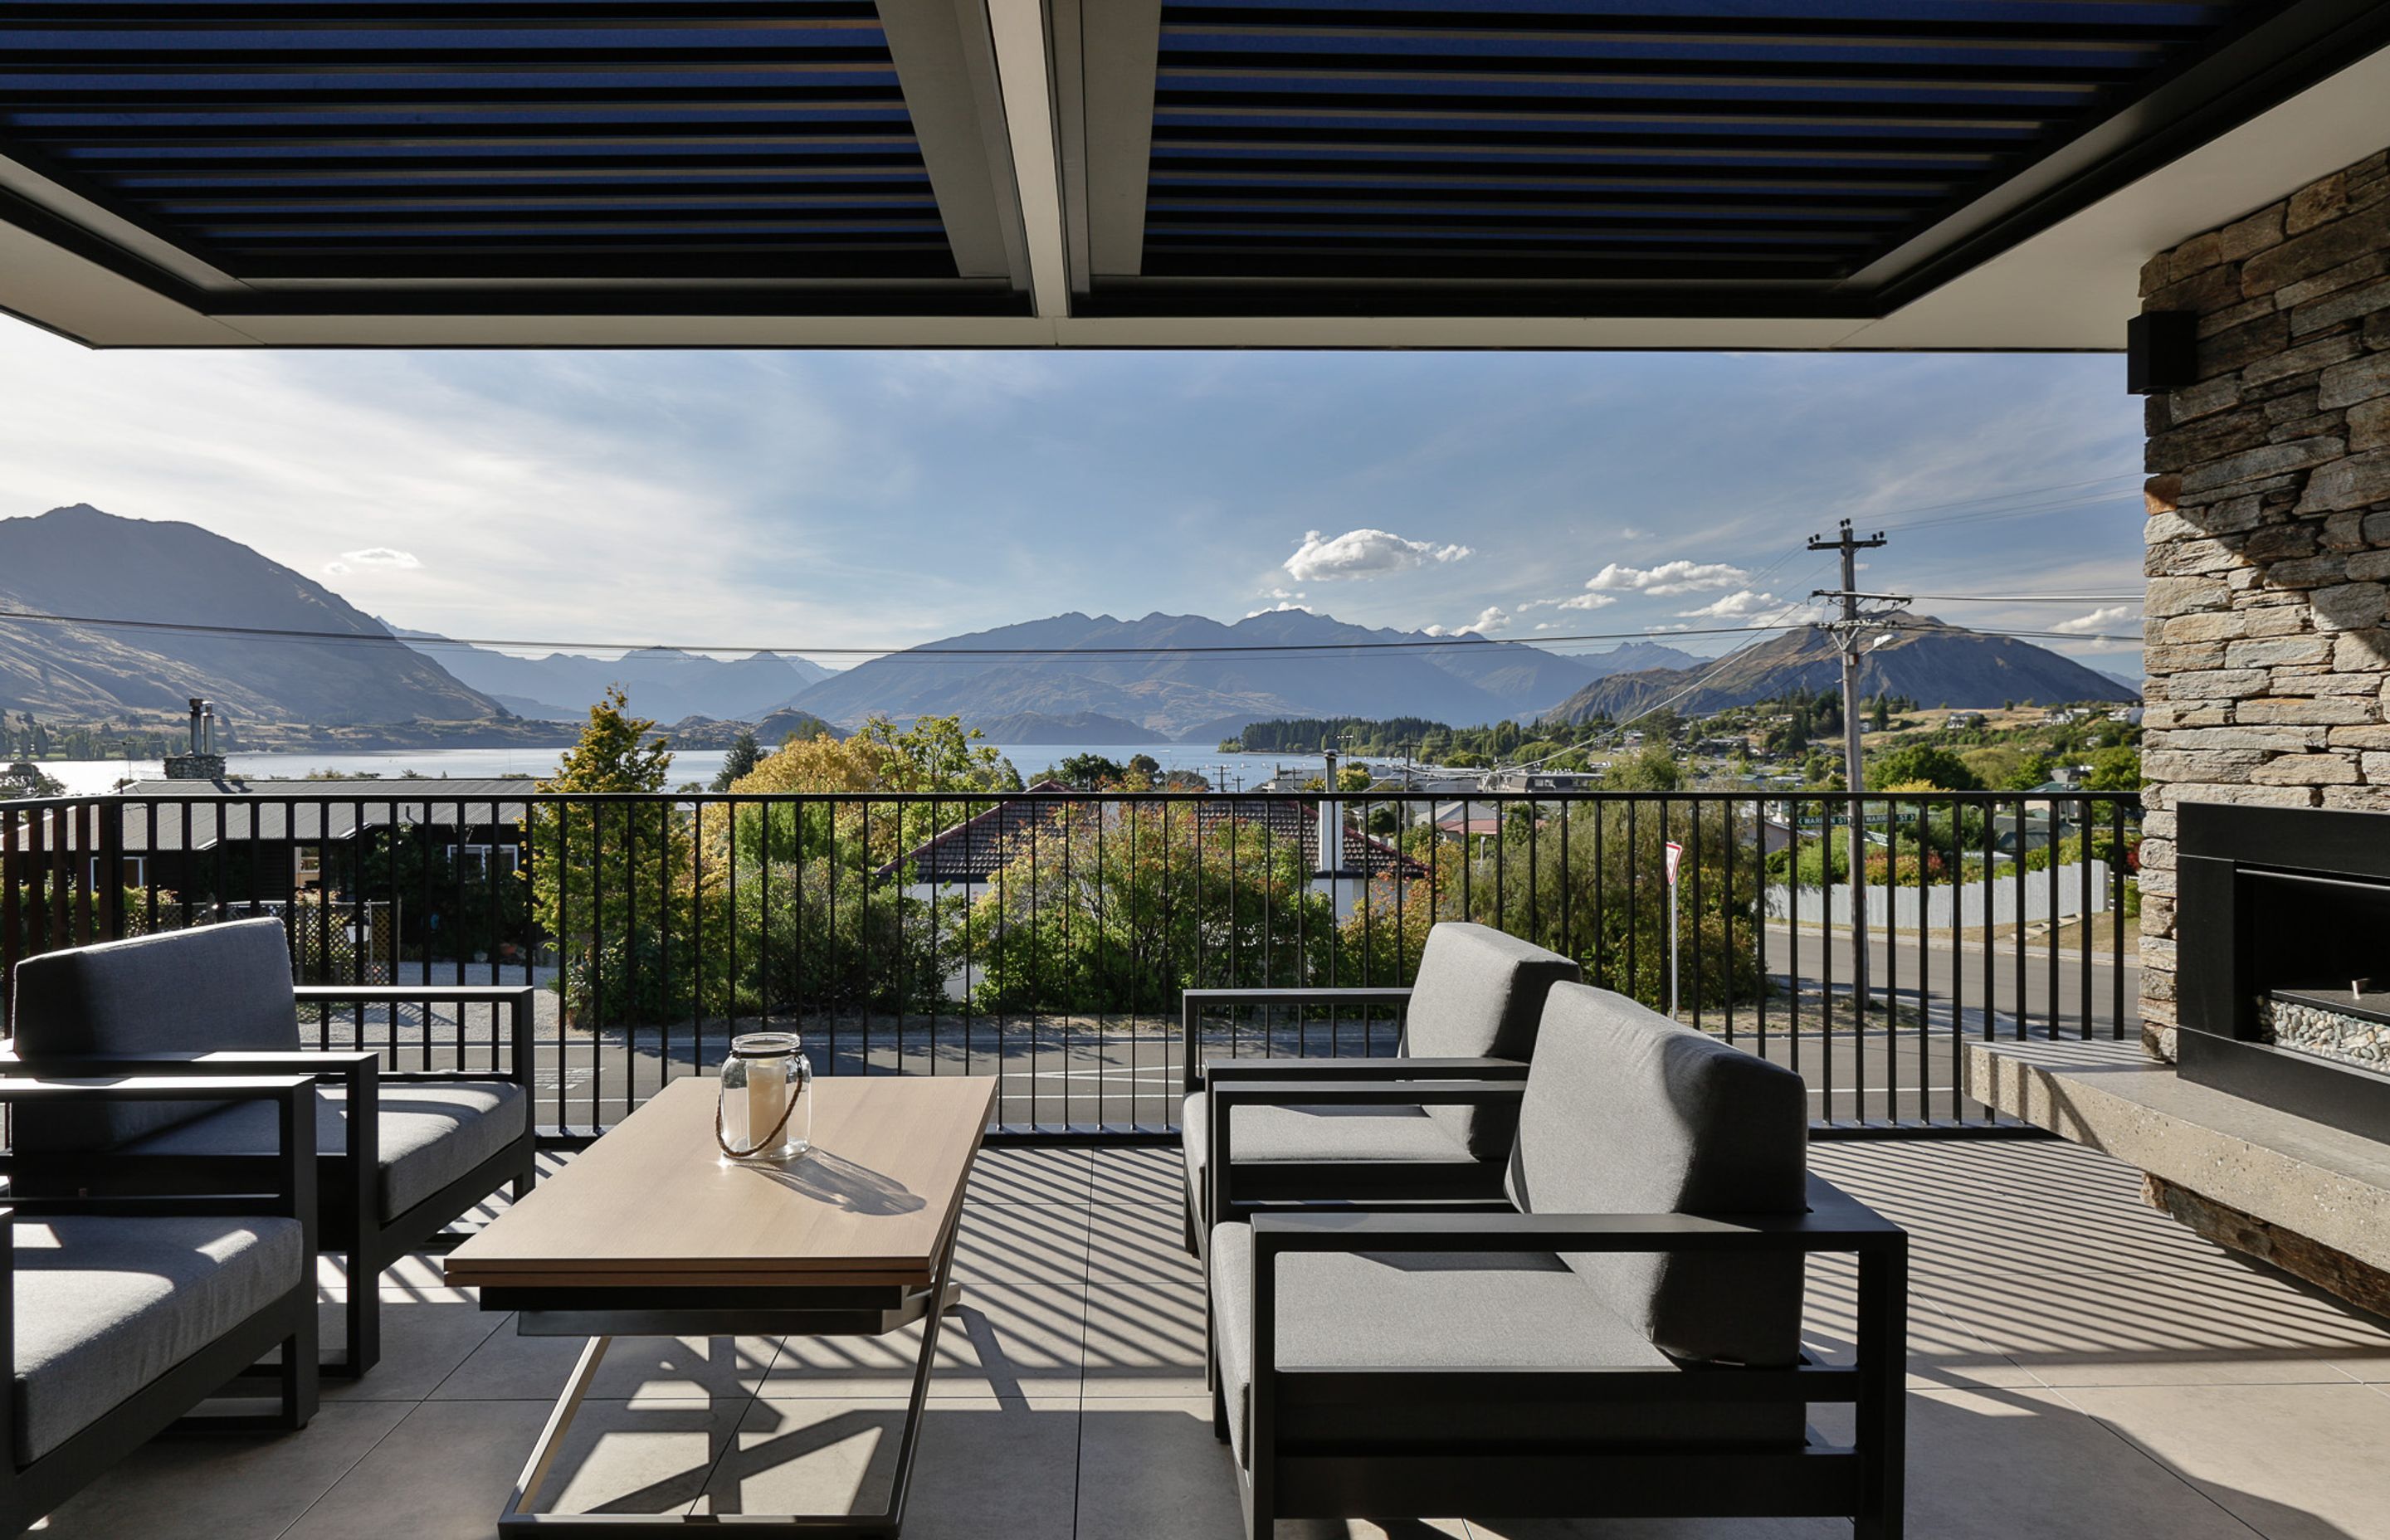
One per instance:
(78, 560)
(663, 682)
(1102, 664)
(1934, 665)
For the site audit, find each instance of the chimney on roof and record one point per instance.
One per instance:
(199, 761)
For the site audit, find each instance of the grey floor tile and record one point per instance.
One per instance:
(2258, 1329)
(986, 1465)
(1011, 1341)
(421, 1345)
(1142, 1176)
(1034, 1175)
(1941, 1354)
(2295, 1462)
(1983, 1465)
(510, 1366)
(1144, 1340)
(1023, 1243)
(223, 1485)
(1139, 1243)
(1185, 1486)
(445, 1471)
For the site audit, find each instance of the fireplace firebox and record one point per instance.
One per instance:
(2282, 929)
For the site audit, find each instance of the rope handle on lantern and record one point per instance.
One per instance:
(769, 1141)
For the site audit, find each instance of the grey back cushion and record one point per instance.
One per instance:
(214, 988)
(1627, 1112)
(1479, 993)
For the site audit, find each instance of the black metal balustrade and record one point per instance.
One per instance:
(1044, 937)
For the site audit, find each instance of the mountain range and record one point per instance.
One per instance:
(1218, 675)
(1072, 679)
(1916, 656)
(663, 682)
(80, 561)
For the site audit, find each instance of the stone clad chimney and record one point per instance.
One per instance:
(2268, 530)
(199, 761)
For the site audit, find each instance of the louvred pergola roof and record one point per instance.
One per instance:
(1146, 172)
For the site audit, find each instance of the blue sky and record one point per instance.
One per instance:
(882, 499)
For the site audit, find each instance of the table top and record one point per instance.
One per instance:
(653, 1204)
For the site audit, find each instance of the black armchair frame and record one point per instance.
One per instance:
(1863, 1484)
(1350, 1479)
(288, 1191)
(351, 1222)
(1312, 1181)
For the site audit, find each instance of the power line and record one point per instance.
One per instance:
(2032, 598)
(1245, 649)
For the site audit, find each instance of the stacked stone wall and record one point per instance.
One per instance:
(2268, 630)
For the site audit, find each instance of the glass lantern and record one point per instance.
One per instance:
(766, 1113)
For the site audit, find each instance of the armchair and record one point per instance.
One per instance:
(1618, 1337)
(404, 1153)
(1472, 1013)
(121, 1313)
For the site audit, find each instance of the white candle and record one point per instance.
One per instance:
(767, 1099)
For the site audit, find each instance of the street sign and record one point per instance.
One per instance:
(1674, 851)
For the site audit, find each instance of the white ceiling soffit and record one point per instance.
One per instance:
(1027, 197)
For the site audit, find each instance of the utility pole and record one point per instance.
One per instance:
(1846, 642)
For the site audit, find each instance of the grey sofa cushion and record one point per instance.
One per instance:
(1479, 993)
(1626, 1112)
(214, 988)
(107, 1305)
(1455, 1311)
(432, 1132)
(1274, 1133)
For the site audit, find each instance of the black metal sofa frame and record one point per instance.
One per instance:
(351, 1220)
(288, 1321)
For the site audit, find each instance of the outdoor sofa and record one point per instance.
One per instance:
(1620, 1336)
(123, 1314)
(1472, 1013)
(404, 1153)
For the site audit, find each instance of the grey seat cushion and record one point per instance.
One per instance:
(1457, 1311)
(1479, 993)
(1277, 1133)
(211, 989)
(1627, 1112)
(433, 1133)
(107, 1305)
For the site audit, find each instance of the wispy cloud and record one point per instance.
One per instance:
(1667, 579)
(2108, 618)
(1491, 618)
(1364, 554)
(379, 555)
(1742, 604)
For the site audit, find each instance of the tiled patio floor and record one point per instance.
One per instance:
(2080, 1367)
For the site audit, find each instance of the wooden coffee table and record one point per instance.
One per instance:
(650, 1233)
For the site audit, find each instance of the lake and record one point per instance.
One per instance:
(89, 776)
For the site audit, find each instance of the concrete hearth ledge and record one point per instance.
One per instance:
(2331, 1186)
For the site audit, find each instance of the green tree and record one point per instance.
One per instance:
(2031, 771)
(25, 780)
(2114, 769)
(1920, 764)
(609, 878)
(1650, 768)
(745, 753)
(1093, 772)
(1880, 715)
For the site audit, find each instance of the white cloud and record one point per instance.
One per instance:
(1281, 593)
(1279, 608)
(1491, 618)
(1363, 554)
(1588, 601)
(1630, 533)
(1742, 604)
(379, 556)
(337, 568)
(1669, 577)
(2106, 618)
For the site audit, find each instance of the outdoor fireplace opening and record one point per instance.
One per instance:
(2319, 955)
(2283, 925)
